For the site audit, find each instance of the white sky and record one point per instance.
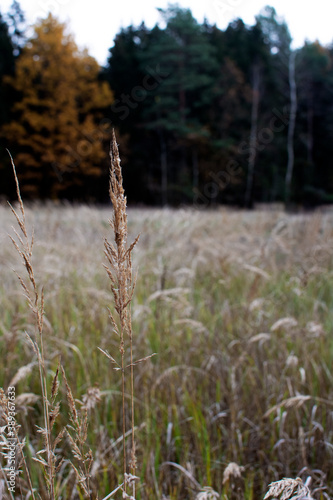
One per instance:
(95, 23)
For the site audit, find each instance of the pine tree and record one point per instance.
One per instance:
(130, 84)
(176, 109)
(314, 125)
(56, 133)
(278, 39)
(7, 67)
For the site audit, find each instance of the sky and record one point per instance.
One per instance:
(94, 23)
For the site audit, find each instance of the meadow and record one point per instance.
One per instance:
(237, 307)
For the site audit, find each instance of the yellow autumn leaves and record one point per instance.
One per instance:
(57, 132)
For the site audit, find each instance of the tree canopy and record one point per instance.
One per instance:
(203, 115)
(56, 131)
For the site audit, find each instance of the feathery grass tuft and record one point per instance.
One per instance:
(119, 270)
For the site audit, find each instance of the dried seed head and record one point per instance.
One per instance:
(22, 373)
(207, 493)
(55, 385)
(70, 399)
(91, 398)
(26, 399)
(292, 361)
(233, 471)
(284, 323)
(288, 489)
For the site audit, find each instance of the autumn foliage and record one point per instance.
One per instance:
(57, 126)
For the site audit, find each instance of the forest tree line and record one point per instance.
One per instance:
(203, 116)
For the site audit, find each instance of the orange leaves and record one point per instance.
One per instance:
(57, 116)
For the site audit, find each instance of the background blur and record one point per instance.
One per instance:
(205, 112)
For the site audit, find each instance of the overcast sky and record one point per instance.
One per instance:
(95, 23)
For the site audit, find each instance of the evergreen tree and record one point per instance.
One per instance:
(130, 84)
(277, 37)
(192, 100)
(314, 182)
(7, 68)
(177, 109)
(246, 47)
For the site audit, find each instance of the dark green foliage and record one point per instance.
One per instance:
(314, 125)
(7, 67)
(176, 112)
(189, 129)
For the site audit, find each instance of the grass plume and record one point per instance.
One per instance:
(35, 298)
(119, 270)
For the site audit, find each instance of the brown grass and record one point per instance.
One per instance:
(35, 299)
(119, 270)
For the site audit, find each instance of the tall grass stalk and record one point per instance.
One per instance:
(51, 409)
(119, 270)
(24, 245)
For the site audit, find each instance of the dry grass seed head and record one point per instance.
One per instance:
(288, 489)
(71, 402)
(91, 398)
(26, 399)
(232, 471)
(118, 255)
(207, 493)
(55, 384)
(233, 481)
(22, 373)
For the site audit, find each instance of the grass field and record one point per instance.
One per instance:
(237, 306)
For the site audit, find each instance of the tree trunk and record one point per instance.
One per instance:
(291, 126)
(164, 170)
(195, 168)
(309, 138)
(309, 142)
(253, 135)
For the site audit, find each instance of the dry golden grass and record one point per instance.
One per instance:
(23, 244)
(238, 308)
(119, 271)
